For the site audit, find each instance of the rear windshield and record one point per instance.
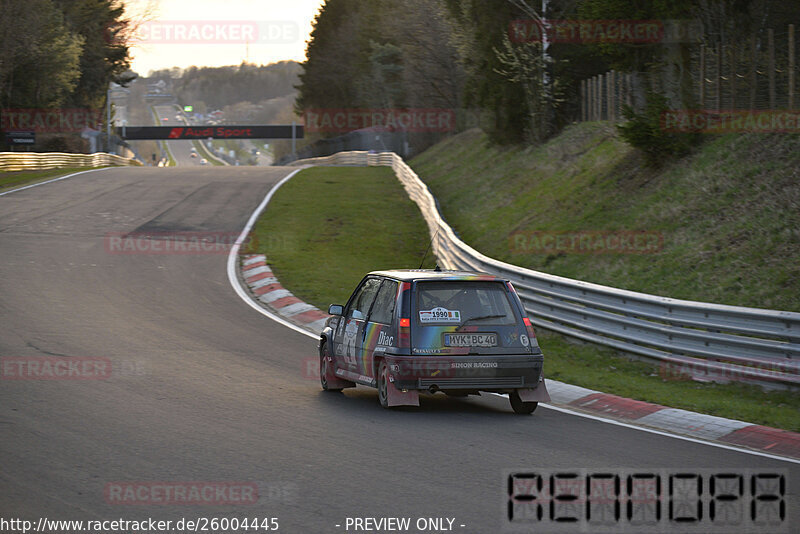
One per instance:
(457, 303)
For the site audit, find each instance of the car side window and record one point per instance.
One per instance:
(359, 306)
(383, 309)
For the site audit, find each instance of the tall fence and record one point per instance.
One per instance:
(711, 341)
(22, 161)
(756, 73)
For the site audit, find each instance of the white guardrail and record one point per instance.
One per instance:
(28, 161)
(706, 341)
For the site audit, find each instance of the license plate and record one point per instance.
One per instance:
(470, 340)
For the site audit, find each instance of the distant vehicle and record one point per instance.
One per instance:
(204, 161)
(165, 119)
(194, 154)
(407, 331)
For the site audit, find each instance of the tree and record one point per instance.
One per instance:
(39, 56)
(481, 30)
(105, 55)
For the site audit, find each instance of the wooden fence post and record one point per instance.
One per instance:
(718, 74)
(791, 66)
(597, 101)
(753, 75)
(732, 55)
(629, 95)
(580, 96)
(702, 76)
(771, 67)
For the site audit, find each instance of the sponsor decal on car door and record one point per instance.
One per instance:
(378, 333)
(354, 321)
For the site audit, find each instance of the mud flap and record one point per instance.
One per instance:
(395, 397)
(334, 382)
(537, 394)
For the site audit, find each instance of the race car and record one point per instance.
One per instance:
(410, 331)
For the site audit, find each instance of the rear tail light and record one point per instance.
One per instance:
(404, 330)
(404, 335)
(529, 328)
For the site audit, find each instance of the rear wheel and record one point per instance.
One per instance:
(383, 384)
(519, 406)
(324, 366)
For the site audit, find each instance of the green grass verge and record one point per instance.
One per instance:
(204, 153)
(163, 145)
(10, 180)
(728, 213)
(328, 226)
(170, 159)
(242, 154)
(606, 370)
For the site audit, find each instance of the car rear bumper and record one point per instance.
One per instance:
(499, 373)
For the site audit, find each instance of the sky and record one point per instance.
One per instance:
(182, 33)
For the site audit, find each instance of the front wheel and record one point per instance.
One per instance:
(324, 366)
(519, 406)
(383, 384)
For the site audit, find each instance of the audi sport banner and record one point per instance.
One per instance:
(272, 131)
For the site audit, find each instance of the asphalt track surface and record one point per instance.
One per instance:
(206, 389)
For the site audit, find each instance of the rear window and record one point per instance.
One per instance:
(458, 303)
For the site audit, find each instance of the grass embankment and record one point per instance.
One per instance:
(243, 155)
(10, 180)
(328, 226)
(729, 215)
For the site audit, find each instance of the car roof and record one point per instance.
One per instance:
(413, 275)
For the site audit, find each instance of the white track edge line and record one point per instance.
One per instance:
(662, 432)
(244, 296)
(234, 253)
(37, 184)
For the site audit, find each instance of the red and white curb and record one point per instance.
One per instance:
(266, 289)
(704, 427)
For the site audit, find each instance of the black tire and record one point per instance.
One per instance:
(323, 369)
(383, 384)
(519, 406)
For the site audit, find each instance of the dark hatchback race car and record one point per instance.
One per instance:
(406, 331)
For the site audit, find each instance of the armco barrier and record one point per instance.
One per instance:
(25, 161)
(706, 341)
